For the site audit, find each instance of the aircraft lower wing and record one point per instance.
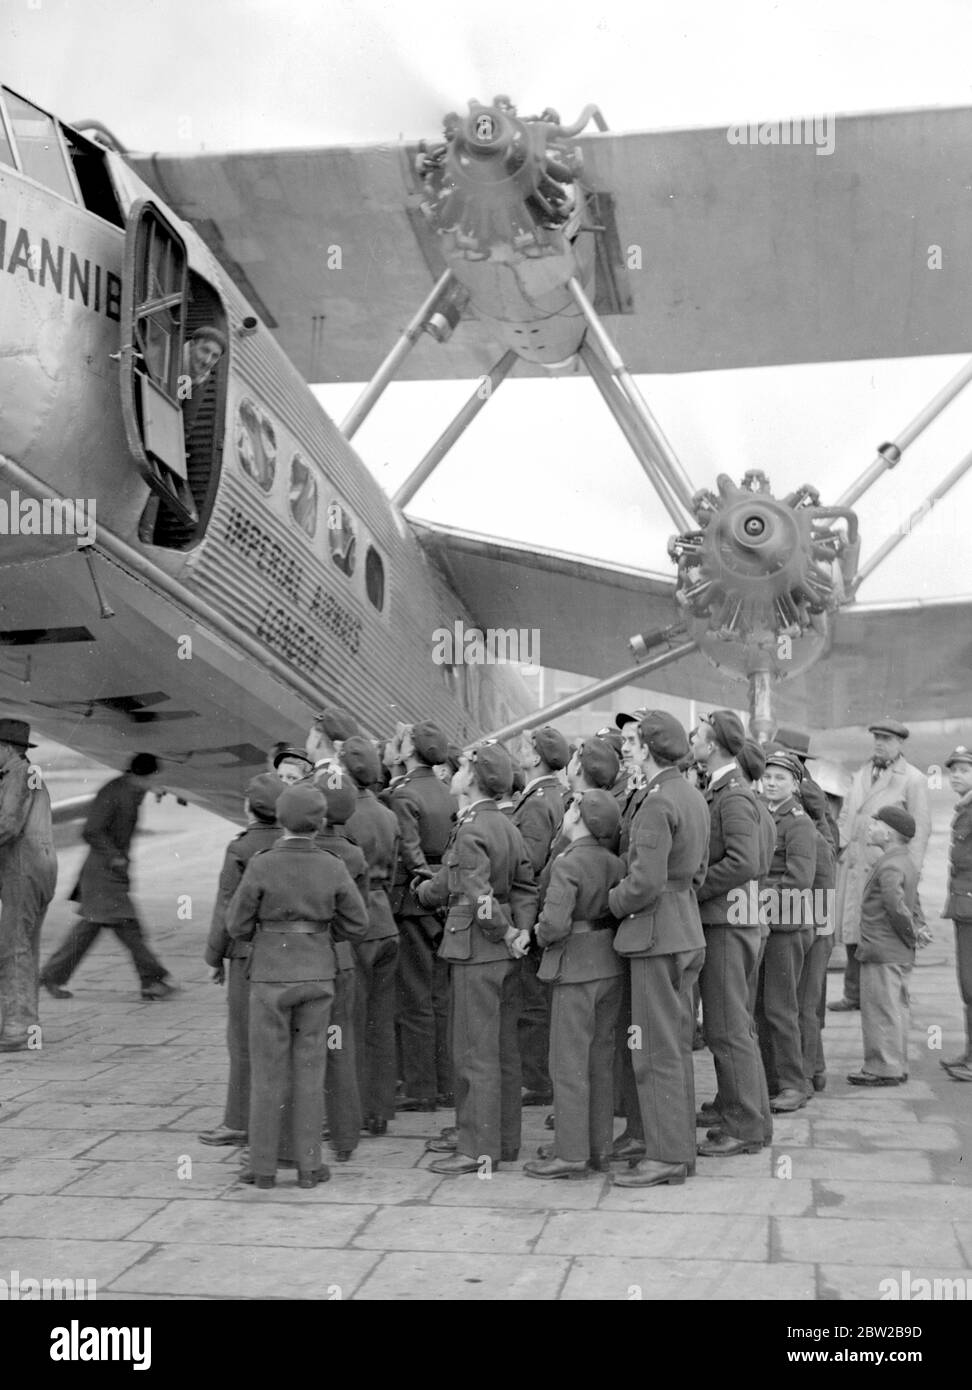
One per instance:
(725, 254)
(911, 660)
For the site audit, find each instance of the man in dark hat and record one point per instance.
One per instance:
(660, 936)
(103, 890)
(426, 810)
(886, 780)
(958, 905)
(486, 878)
(28, 876)
(262, 830)
(887, 949)
(727, 897)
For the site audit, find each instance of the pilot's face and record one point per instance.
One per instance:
(204, 353)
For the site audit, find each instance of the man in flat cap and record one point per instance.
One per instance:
(660, 936)
(886, 780)
(958, 905)
(538, 815)
(886, 951)
(28, 876)
(426, 811)
(486, 879)
(732, 938)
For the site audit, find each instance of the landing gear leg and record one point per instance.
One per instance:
(762, 722)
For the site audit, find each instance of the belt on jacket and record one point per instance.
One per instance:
(303, 928)
(580, 926)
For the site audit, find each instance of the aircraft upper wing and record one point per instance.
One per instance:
(750, 254)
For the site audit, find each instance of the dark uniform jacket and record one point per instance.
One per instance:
(486, 879)
(375, 829)
(426, 812)
(575, 925)
(824, 882)
(334, 840)
(734, 847)
(295, 882)
(256, 837)
(887, 910)
(103, 887)
(538, 816)
(667, 851)
(958, 905)
(787, 888)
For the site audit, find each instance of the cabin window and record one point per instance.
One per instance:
(6, 149)
(303, 495)
(375, 578)
(38, 141)
(91, 172)
(342, 540)
(256, 443)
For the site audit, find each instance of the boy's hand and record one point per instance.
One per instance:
(218, 976)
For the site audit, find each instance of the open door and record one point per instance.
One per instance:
(153, 317)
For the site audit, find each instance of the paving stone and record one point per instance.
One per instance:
(633, 1280)
(510, 1189)
(656, 1233)
(462, 1277)
(350, 1186)
(164, 1146)
(885, 1165)
(963, 1230)
(101, 1116)
(121, 1179)
(32, 1175)
(241, 1271)
(46, 1143)
(869, 1200)
(846, 1282)
(760, 1196)
(388, 1153)
(452, 1228)
(861, 1136)
(912, 1090)
(260, 1218)
(856, 1242)
(101, 1092)
(83, 1218)
(67, 1258)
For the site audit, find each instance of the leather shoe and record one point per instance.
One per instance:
(867, 1078)
(537, 1098)
(726, 1146)
(373, 1125)
(627, 1150)
(549, 1122)
(786, 1101)
(443, 1145)
(819, 1081)
(555, 1168)
(960, 1071)
(158, 989)
(706, 1115)
(264, 1180)
(222, 1134)
(455, 1166)
(965, 1060)
(343, 1155)
(650, 1173)
(13, 1045)
(410, 1104)
(843, 1006)
(315, 1176)
(56, 991)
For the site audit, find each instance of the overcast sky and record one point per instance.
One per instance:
(544, 463)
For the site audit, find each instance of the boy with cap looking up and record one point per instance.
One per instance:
(262, 830)
(887, 948)
(375, 829)
(660, 935)
(293, 902)
(487, 880)
(425, 809)
(958, 905)
(576, 930)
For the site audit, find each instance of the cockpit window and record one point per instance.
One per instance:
(39, 142)
(6, 149)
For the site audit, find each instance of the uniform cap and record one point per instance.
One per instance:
(430, 742)
(297, 754)
(662, 734)
(613, 737)
(300, 809)
(338, 791)
(336, 724)
(361, 760)
(728, 729)
(636, 718)
(494, 768)
(600, 813)
(888, 726)
(899, 819)
(551, 746)
(599, 762)
(779, 757)
(262, 793)
(17, 732)
(752, 760)
(794, 741)
(959, 755)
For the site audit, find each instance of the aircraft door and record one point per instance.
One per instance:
(153, 315)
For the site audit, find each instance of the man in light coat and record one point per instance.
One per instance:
(888, 779)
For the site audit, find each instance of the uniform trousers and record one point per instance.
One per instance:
(731, 956)
(778, 1012)
(484, 1006)
(852, 974)
(662, 1010)
(533, 1027)
(342, 1104)
(288, 1056)
(81, 938)
(811, 992)
(625, 1089)
(25, 899)
(237, 1112)
(963, 968)
(582, 1022)
(885, 1018)
(374, 1025)
(423, 1009)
